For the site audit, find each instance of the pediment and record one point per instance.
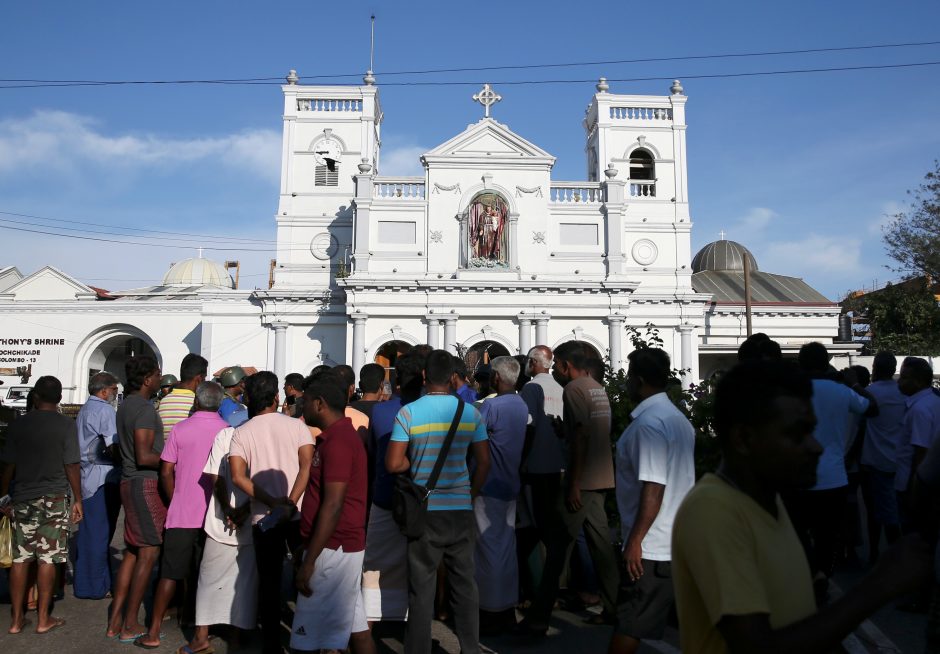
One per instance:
(49, 283)
(488, 139)
(8, 277)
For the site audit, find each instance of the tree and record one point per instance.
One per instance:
(913, 237)
(903, 318)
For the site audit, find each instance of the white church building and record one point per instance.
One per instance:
(484, 252)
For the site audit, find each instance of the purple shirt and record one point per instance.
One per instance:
(188, 446)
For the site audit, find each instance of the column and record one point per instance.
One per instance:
(450, 334)
(280, 349)
(363, 206)
(513, 241)
(434, 332)
(615, 336)
(359, 342)
(686, 331)
(541, 331)
(525, 335)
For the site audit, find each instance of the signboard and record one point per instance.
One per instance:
(25, 351)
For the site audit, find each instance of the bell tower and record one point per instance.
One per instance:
(328, 132)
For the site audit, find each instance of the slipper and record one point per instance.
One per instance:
(132, 638)
(55, 625)
(186, 649)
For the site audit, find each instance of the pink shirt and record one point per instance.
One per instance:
(188, 446)
(269, 444)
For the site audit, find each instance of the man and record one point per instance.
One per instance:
(294, 395)
(497, 572)
(41, 458)
(655, 469)
(140, 437)
(182, 462)
(232, 410)
(371, 378)
(385, 564)
(879, 454)
(101, 492)
(420, 429)
(227, 592)
(741, 578)
(176, 406)
(463, 390)
(817, 512)
(167, 382)
(759, 346)
(544, 454)
(921, 427)
(330, 612)
(589, 474)
(346, 378)
(270, 462)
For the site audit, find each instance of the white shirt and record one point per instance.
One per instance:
(217, 464)
(658, 446)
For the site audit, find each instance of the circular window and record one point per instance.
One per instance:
(644, 252)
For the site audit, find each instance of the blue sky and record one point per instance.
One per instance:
(801, 168)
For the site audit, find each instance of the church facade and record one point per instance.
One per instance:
(484, 254)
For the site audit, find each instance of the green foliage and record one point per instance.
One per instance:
(902, 318)
(913, 237)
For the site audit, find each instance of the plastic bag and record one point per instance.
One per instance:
(6, 542)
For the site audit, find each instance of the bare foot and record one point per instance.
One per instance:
(17, 628)
(130, 632)
(147, 642)
(54, 623)
(199, 645)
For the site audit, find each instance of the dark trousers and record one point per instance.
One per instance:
(93, 543)
(270, 549)
(449, 536)
(563, 532)
(817, 518)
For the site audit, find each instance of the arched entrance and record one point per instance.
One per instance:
(388, 354)
(481, 353)
(107, 350)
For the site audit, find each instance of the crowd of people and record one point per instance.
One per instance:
(227, 485)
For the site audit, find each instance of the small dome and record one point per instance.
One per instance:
(723, 255)
(198, 272)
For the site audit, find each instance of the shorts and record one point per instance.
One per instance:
(41, 530)
(181, 549)
(385, 568)
(144, 512)
(335, 610)
(644, 606)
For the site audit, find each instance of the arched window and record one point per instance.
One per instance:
(641, 165)
(487, 232)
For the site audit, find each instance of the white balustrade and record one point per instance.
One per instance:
(400, 188)
(642, 189)
(328, 104)
(576, 192)
(641, 113)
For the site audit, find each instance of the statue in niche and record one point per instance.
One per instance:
(489, 241)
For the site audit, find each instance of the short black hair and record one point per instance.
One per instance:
(759, 346)
(652, 364)
(813, 357)
(48, 389)
(346, 375)
(326, 388)
(920, 368)
(460, 367)
(136, 369)
(260, 391)
(746, 393)
(571, 352)
(439, 367)
(193, 366)
(371, 377)
(862, 374)
(294, 380)
(408, 375)
(319, 369)
(422, 352)
(595, 368)
(885, 364)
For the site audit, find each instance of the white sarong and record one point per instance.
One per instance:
(228, 586)
(497, 569)
(385, 568)
(334, 611)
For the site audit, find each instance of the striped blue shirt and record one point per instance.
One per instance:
(423, 424)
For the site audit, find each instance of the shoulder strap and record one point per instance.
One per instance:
(445, 448)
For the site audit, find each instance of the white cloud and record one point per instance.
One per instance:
(888, 211)
(813, 256)
(402, 160)
(63, 141)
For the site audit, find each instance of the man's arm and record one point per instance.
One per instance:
(651, 500)
(481, 454)
(901, 568)
(143, 449)
(304, 459)
(168, 478)
(578, 441)
(331, 507)
(74, 475)
(6, 477)
(396, 457)
(241, 481)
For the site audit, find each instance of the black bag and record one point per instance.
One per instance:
(410, 500)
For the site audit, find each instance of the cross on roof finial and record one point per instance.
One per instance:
(721, 235)
(487, 97)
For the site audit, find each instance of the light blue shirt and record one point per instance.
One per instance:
(883, 433)
(833, 404)
(921, 429)
(96, 417)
